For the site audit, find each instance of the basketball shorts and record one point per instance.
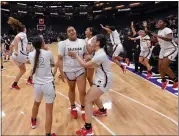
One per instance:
(146, 54)
(168, 53)
(19, 59)
(46, 90)
(117, 49)
(104, 87)
(72, 76)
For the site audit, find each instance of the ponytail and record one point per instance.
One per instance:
(16, 24)
(36, 60)
(37, 43)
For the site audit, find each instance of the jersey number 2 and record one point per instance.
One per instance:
(41, 63)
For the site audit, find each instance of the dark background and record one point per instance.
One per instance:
(56, 24)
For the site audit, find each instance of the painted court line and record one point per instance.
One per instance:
(145, 106)
(145, 79)
(127, 98)
(103, 125)
(13, 77)
(154, 84)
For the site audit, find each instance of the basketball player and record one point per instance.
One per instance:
(42, 63)
(19, 44)
(146, 52)
(168, 52)
(138, 65)
(90, 32)
(117, 46)
(102, 82)
(30, 49)
(7, 43)
(72, 70)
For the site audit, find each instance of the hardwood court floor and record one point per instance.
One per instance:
(135, 107)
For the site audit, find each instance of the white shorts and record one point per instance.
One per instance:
(168, 53)
(46, 90)
(117, 49)
(103, 87)
(72, 76)
(20, 59)
(146, 54)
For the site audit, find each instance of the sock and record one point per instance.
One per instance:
(30, 78)
(15, 83)
(34, 119)
(88, 126)
(163, 79)
(150, 71)
(82, 107)
(48, 134)
(73, 105)
(2, 67)
(175, 79)
(102, 110)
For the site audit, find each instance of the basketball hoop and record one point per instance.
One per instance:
(41, 27)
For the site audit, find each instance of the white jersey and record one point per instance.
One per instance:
(115, 39)
(22, 49)
(166, 44)
(43, 73)
(22, 44)
(103, 75)
(145, 43)
(70, 64)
